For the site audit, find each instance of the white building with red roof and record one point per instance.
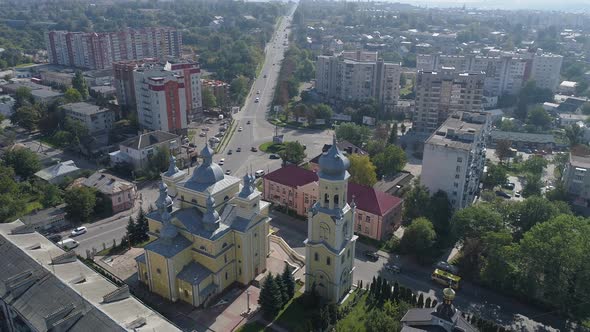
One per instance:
(378, 214)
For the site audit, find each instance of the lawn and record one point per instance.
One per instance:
(355, 320)
(270, 147)
(294, 313)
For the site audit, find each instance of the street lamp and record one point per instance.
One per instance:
(248, 301)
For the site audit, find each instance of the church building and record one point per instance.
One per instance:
(216, 234)
(330, 243)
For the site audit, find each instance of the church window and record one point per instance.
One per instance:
(324, 232)
(336, 200)
(185, 293)
(326, 200)
(182, 197)
(203, 248)
(359, 227)
(254, 205)
(226, 198)
(224, 245)
(225, 275)
(328, 261)
(255, 234)
(158, 271)
(240, 271)
(348, 253)
(316, 256)
(225, 258)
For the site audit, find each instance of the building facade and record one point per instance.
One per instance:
(440, 93)
(577, 177)
(191, 72)
(124, 82)
(546, 70)
(161, 99)
(330, 244)
(358, 76)
(137, 151)
(217, 235)
(454, 157)
(378, 214)
(121, 193)
(99, 50)
(96, 119)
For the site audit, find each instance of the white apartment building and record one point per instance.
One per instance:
(546, 69)
(358, 76)
(161, 99)
(191, 72)
(440, 93)
(454, 157)
(97, 120)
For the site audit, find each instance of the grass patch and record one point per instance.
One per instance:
(294, 313)
(270, 147)
(143, 244)
(112, 251)
(355, 320)
(24, 65)
(252, 327)
(32, 206)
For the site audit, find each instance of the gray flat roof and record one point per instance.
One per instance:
(85, 108)
(454, 131)
(69, 283)
(522, 137)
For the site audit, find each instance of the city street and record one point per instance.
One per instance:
(470, 298)
(260, 130)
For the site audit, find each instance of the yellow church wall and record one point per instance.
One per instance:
(141, 272)
(185, 291)
(159, 273)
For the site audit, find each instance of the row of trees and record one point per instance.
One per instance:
(275, 292)
(297, 67)
(137, 228)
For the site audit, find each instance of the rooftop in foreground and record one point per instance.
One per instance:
(62, 291)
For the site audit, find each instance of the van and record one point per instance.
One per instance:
(68, 244)
(259, 173)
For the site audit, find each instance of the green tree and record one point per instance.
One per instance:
(323, 111)
(270, 297)
(362, 170)
(391, 161)
(27, 116)
(503, 150)
(440, 212)
(288, 281)
(574, 134)
(393, 134)
(532, 185)
(496, 175)
(282, 290)
(209, 100)
(474, 220)
(534, 210)
(159, 161)
(415, 201)
(538, 117)
(22, 97)
(132, 231)
(80, 203)
(79, 83)
(419, 238)
(24, 162)
(142, 226)
(353, 133)
(535, 165)
(72, 96)
(293, 153)
(239, 89)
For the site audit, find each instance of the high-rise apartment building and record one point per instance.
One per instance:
(358, 76)
(454, 157)
(161, 99)
(99, 50)
(440, 93)
(505, 72)
(546, 69)
(189, 71)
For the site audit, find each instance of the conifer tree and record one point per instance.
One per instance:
(282, 289)
(270, 299)
(288, 281)
(421, 301)
(427, 303)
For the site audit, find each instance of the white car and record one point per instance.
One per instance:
(221, 161)
(256, 100)
(79, 231)
(240, 129)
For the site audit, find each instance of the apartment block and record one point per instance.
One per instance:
(96, 119)
(190, 72)
(546, 69)
(577, 177)
(454, 157)
(99, 50)
(358, 76)
(161, 99)
(440, 93)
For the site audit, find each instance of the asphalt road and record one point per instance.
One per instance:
(260, 130)
(470, 298)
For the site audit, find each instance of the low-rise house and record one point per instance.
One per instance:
(378, 213)
(568, 119)
(48, 220)
(136, 151)
(57, 173)
(120, 192)
(96, 119)
(567, 87)
(40, 93)
(525, 140)
(56, 78)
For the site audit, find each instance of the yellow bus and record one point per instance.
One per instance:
(445, 278)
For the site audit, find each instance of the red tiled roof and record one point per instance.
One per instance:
(292, 176)
(366, 198)
(371, 200)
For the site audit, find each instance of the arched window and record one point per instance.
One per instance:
(316, 256)
(224, 245)
(336, 200)
(324, 232)
(226, 198)
(326, 199)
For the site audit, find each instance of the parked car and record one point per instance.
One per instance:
(68, 244)
(371, 255)
(228, 172)
(221, 161)
(254, 149)
(257, 99)
(393, 268)
(248, 122)
(274, 156)
(239, 150)
(240, 129)
(230, 151)
(509, 185)
(500, 193)
(517, 194)
(258, 92)
(54, 238)
(264, 75)
(259, 173)
(202, 134)
(214, 140)
(79, 231)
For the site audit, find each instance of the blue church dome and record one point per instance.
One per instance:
(333, 163)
